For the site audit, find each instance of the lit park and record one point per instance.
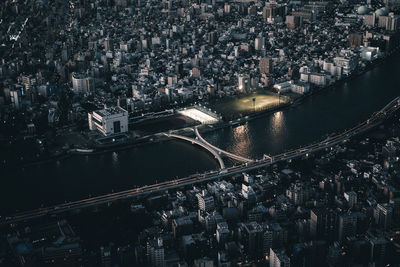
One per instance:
(248, 104)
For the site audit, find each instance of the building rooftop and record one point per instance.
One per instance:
(110, 111)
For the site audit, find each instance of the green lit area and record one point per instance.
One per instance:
(247, 104)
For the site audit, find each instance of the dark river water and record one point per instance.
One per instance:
(77, 177)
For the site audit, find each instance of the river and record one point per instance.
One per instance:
(329, 111)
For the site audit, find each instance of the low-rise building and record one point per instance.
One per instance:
(109, 121)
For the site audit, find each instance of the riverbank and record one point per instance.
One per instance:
(79, 176)
(159, 137)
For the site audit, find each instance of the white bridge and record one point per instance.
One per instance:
(216, 151)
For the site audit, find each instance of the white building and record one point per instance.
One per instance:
(82, 83)
(332, 69)
(205, 202)
(109, 121)
(300, 87)
(248, 192)
(243, 83)
(316, 78)
(369, 53)
(348, 64)
(283, 87)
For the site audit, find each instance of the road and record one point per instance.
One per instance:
(374, 120)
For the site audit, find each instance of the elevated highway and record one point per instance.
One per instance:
(373, 121)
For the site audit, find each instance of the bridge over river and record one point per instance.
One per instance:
(374, 120)
(215, 151)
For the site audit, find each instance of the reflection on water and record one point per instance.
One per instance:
(277, 123)
(115, 162)
(242, 143)
(329, 111)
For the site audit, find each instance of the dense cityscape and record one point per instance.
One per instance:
(239, 154)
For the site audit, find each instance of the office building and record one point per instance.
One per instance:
(347, 225)
(253, 239)
(351, 198)
(322, 223)
(278, 258)
(383, 215)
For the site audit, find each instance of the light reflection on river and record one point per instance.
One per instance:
(77, 177)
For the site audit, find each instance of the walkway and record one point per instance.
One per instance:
(226, 153)
(200, 143)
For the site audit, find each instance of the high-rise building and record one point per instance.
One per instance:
(266, 65)
(278, 258)
(107, 44)
(379, 247)
(393, 22)
(155, 252)
(347, 225)
(182, 226)
(323, 223)
(15, 96)
(306, 15)
(205, 201)
(172, 80)
(273, 10)
(351, 198)
(253, 239)
(298, 193)
(259, 43)
(243, 82)
(28, 81)
(222, 232)
(267, 239)
(383, 215)
(293, 21)
(212, 38)
(227, 8)
(370, 20)
(355, 39)
(395, 202)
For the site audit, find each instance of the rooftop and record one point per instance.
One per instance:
(110, 111)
